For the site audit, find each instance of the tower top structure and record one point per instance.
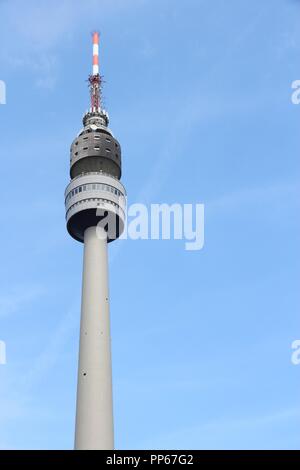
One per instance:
(95, 166)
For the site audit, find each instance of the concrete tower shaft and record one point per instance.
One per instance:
(95, 203)
(94, 415)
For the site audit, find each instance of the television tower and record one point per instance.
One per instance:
(95, 215)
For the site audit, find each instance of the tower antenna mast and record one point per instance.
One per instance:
(95, 79)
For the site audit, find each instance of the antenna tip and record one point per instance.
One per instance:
(95, 35)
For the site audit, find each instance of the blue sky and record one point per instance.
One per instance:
(199, 96)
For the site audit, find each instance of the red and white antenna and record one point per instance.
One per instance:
(95, 80)
(95, 53)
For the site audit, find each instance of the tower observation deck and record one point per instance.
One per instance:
(95, 215)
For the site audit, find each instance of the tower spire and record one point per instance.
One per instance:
(95, 53)
(95, 80)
